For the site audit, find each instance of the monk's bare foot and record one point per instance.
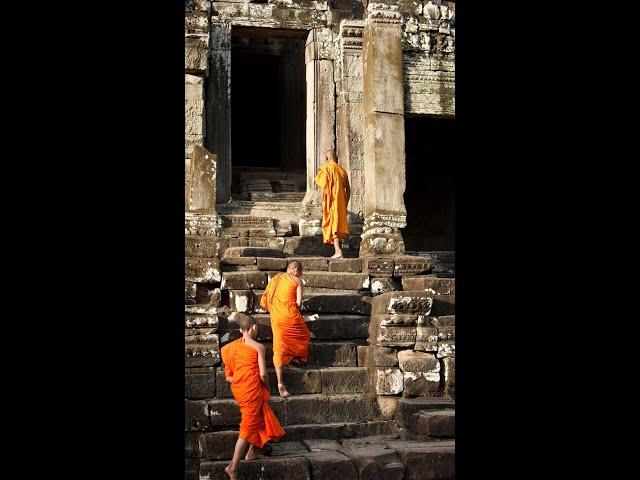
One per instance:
(337, 255)
(253, 456)
(283, 391)
(231, 473)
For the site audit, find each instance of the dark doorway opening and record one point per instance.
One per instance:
(268, 113)
(430, 192)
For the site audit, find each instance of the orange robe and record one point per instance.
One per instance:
(290, 333)
(333, 180)
(259, 424)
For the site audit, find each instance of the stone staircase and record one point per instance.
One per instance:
(376, 398)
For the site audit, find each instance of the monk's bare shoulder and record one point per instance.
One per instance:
(258, 347)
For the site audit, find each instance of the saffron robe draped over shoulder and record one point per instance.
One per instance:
(290, 333)
(259, 424)
(333, 179)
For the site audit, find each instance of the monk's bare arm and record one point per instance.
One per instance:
(298, 292)
(229, 379)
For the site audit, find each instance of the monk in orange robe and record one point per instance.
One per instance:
(245, 368)
(334, 182)
(283, 300)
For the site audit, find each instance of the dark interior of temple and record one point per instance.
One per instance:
(268, 109)
(430, 192)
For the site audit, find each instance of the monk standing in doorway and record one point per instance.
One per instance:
(283, 300)
(245, 367)
(334, 182)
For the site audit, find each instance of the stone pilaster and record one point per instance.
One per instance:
(349, 114)
(384, 157)
(321, 106)
(200, 198)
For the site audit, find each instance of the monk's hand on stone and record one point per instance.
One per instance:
(230, 379)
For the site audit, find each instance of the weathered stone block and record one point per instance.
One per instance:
(409, 265)
(285, 468)
(191, 445)
(200, 383)
(208, 295)
(191, 469)
(402, 302)
(223, 388)
(195, 53)
(272, 264)
(426, 461)
(396, 337)
(252, 252)
(298, 381)
(378, 266)
(238, 261)
(189, 292)
(408, 406)
(426, 339)
(335, 354)
(241, 300)
(338, 280)
(394, 319)
(321, 445)
(196, 415)
(422, 384)
(384, 284)
(411, 361)
(350, 265)
(444, 321)
(339, 327)
(201, 316)
(320, 408)
(244, 280)
(202, 270)
(203, 354)
(196, 22)
(374, 462)
(449, 367)
(387, 406)
(430, 284)
(218, 445)
(333, 302)
(388, 381)
(439, 423)
(226, 413)
(201, 246)
(331, 464)
(446, 342)
(443, 305)
(318, 264)
(215, 469)
(344, 380)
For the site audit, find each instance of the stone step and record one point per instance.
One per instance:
(296, 409)
(304, 381)
(325, 327)
(434, 423)
(314, 246)
(314, 300)
(406, 407)
(247, 251)
(219, 445)
(431, 284)
(333, 280)
(381, 458)
(242, 232)
(246, 221)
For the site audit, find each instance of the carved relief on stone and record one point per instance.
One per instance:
(383, 13)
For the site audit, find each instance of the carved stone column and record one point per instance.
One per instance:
(384, 156)
(200, 199)
(218, 126)
(321, 107)
(349, 115)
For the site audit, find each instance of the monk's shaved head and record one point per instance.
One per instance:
(331, 154)
(293, 264)
(244, 321)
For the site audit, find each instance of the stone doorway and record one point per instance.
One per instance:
(268, 114)
(430, 190)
